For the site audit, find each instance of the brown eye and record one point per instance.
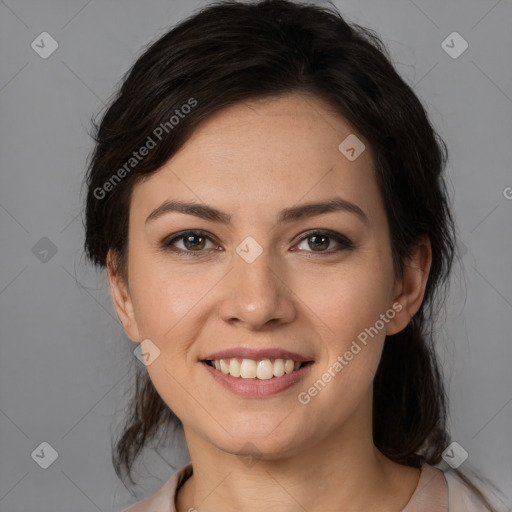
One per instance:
(194, 242)
(189, 242)
(320, 241)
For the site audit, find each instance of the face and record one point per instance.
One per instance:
(264, 278)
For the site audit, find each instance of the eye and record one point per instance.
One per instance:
(195, 243)
(191, 242)
(320, 241)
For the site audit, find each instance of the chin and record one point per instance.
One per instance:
(265, 443)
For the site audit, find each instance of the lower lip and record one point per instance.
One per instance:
(255, 388)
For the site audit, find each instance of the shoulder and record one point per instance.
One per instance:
(444, 491)
(461, 497)
(163, 500)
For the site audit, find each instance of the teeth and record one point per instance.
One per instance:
(278, 367)
(234, 367)
(248, 369)
(224, 366)
(263, 369)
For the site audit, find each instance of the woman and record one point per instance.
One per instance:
(267, 197)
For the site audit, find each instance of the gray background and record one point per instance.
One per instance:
(65, 364)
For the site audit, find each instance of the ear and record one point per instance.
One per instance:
(410, 289)
(121, 299)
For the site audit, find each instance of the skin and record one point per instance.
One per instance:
(252, 160)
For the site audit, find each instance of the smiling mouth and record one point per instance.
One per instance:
(263, 369)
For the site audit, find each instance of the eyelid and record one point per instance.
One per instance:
(342, 240)
(167, 242)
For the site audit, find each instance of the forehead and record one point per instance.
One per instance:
(263, 155)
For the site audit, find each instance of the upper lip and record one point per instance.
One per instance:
(256, 354)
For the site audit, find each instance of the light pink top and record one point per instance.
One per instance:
(437, 491)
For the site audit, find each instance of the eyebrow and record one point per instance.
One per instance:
(285, 216)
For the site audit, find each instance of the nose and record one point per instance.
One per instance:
(256, 294)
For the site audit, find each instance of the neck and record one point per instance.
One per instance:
(344, 468)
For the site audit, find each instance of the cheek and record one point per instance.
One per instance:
(346, 314)
(345, 300)
(169, 300)
(346, 307)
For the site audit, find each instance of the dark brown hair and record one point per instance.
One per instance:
(230, 52)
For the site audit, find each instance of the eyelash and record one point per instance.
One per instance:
(345, 243)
